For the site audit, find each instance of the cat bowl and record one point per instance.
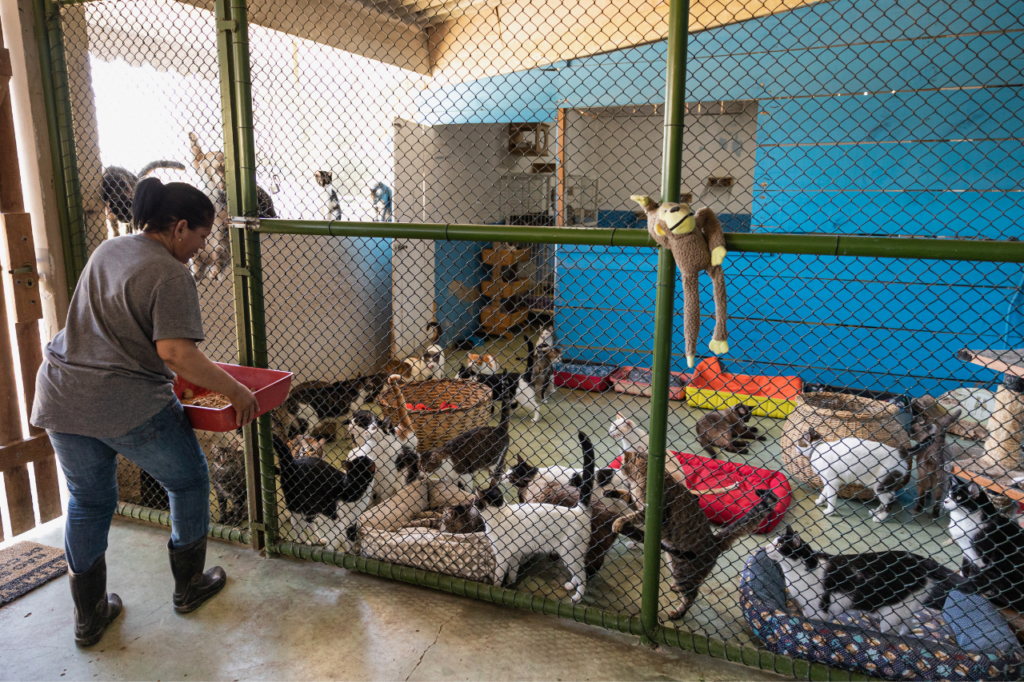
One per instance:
(270, 386)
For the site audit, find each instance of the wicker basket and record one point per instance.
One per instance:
(835, 416)
(436, 427)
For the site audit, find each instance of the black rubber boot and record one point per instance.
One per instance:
(191, 585)
(94, 608)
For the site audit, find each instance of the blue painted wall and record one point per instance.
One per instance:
(911, 156)
(458, 261)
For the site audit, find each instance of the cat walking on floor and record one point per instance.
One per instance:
(691, 547)
(518, 531)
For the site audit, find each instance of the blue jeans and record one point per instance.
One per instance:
(165, 446)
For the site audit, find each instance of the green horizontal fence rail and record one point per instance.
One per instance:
(811, 244)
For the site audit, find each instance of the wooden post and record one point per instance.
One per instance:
(21, 283)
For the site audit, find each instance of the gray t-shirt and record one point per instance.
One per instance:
(101, 375)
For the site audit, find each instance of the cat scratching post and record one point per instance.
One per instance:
(1005, 437)
(1003, 446)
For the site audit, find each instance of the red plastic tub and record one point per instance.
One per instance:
(585, 375)
(270, 387)
(705, 473)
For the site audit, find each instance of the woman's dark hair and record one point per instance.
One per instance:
(158, 207)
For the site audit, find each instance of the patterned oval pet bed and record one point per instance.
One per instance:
(968, 640)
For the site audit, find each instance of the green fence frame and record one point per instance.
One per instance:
(236, 99)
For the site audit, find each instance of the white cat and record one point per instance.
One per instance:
(518, 531)
(631, 437)
(883, 468)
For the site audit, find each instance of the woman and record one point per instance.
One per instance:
(105, 388)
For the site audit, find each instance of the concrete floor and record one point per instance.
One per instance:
(283, 619)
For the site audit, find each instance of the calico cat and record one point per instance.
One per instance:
(480, 448)
(318, 408)
(883, 468)
(932, 456)
(892, 586)
(518, 531)
(482, 364)
(321, 498)
(691, 547)
(227, 477)
(507, 386)
(992, 544)
(727, 430)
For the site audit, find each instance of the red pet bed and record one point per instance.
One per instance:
(704, 473)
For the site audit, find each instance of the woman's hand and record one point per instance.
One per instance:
(245, 405)
(188, 362)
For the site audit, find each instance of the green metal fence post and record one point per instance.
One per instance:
(675, 108)
(226, 27)
(57, 100)
(245, 154)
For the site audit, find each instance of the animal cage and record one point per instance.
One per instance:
(851, 180)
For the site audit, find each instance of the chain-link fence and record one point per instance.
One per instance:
(456, 199)
(144, 93)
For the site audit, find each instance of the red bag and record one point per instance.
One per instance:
(705, 473)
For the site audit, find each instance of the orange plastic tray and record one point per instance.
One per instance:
(270, 386)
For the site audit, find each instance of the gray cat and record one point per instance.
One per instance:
(691, 547)
(227, 476)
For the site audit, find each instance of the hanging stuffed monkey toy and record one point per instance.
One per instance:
(697, 243)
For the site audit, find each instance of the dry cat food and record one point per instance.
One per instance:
(214, 400)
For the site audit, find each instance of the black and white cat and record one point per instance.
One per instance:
(322, 500)
(507, 386)
(993, 545)
(320, 409)
(892, 586)
(518, 531)
(385, 443)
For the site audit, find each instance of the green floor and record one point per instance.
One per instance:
(617, 587)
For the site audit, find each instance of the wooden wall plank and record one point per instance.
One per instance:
(30, 356)
(17, 250)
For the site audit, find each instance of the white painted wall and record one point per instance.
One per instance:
(624, 151)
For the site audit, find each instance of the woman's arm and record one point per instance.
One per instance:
(188, 362)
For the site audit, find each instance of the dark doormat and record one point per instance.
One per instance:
(27, 565)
